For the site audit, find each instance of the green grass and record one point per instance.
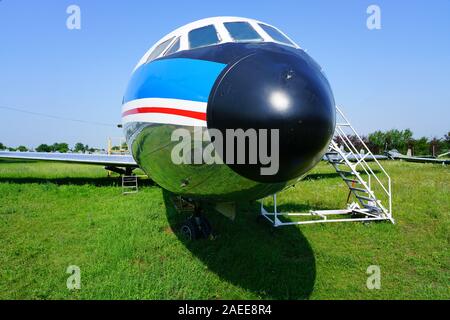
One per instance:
(128, 247)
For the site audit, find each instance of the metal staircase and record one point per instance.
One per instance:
(361, 172)
(129, 184)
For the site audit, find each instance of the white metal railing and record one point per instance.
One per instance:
(361, 160)
(370, 208)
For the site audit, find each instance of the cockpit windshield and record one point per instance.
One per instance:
(159, 49)
(213, 31)
(174, 48)
(242, 31)
(275, 34)
(204, 36)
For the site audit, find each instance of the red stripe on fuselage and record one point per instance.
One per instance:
(178, 112)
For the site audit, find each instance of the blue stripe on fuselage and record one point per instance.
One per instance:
(178, 78)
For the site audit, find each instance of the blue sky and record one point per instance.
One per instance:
(396, 77)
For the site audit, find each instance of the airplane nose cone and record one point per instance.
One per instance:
(274, 90)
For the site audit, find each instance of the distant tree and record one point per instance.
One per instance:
(2, 146)
(422, 147)
(369, 145)
(396, 139)
(442, 147)
(407, 134)
(79, 147)
(43, 148)
(377, 140)
(60, 147)
(446, 141)
(353, 139)
(11, 149)
(436, 146)
(407, 139)
(22, 149)
(63, 147)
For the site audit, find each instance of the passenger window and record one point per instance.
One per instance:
(159, 49)
(204, 36)
(275, 34)
(174, 48)
(242, 31)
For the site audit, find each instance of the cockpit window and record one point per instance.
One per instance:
(174, 48)
(242, 31)
(159, 49)
(275, 34)
(204, 36)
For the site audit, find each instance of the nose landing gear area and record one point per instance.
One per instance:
(197, 225)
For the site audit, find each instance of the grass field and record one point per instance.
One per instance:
(128, 247)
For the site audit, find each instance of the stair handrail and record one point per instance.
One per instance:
(361, 161)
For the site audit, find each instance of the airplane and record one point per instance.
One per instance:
(220, 73)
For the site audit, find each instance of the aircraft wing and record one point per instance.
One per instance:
(96, 159)
(354, 158)
(367, 158)
(398, 156)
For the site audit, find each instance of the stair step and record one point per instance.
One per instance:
(351, 180)
(359, 189)
(377, 209)
(365, 198)
(346, 172)
(129, 184)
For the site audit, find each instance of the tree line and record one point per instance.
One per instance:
(377, 142)
(401, 140)
(60, 147)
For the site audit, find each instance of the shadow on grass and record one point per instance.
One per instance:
(2, 161)
(113, 181)
(100, 182)
(330, 175)
(246, 253)
(317, 176)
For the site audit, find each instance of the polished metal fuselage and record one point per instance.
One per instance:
(152, 146)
